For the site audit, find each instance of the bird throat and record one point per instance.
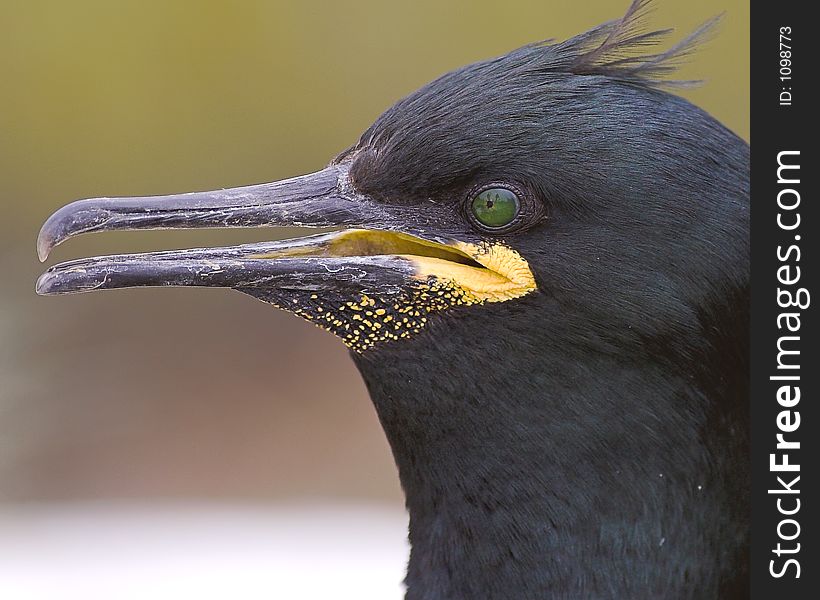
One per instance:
(511, 481)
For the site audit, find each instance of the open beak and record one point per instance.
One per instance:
(375, 281)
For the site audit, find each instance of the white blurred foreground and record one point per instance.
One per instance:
(203, 552)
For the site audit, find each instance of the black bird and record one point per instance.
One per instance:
(542, 270)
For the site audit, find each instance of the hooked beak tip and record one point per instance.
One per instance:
(44, 246)
(52, 233)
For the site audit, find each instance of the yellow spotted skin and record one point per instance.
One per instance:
(366, 322)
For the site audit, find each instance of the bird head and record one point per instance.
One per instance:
(558, 171)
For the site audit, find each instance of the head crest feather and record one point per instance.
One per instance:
(624, 50)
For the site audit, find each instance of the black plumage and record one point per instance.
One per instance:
(599, 450)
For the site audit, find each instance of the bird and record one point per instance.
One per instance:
(540, 265)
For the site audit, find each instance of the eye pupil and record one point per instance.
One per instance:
(495, 207)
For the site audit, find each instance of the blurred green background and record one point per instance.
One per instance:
(124, 394)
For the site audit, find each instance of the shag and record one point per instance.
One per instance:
(541, 267)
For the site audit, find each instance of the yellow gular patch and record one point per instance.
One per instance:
(505, 276)
(445, 276)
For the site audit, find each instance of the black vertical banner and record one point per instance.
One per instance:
(785, 426)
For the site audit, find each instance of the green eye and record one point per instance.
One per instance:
(495, 207)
